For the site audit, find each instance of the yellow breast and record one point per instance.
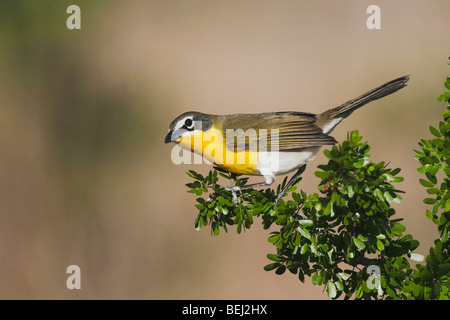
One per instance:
(211, 144)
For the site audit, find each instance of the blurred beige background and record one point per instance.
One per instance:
(86, 179)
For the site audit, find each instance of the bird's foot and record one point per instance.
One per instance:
(278, 197)
(234, 191)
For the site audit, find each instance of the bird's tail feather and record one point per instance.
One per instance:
(345, 109)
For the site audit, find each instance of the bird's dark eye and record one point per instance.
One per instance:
(188, 123)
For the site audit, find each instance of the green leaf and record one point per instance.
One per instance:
(297, 239)
(425, 168)
(398, 179)
(378, 194)
(388, 196)
(344, 276)
(362, 238)
(224, 176)
(433, 191)
(429, 200)
(304, 248)
(339, 285)
(317, 279)
(274, 238)
(313, 244)
(305, 233)
(324, 247)
(435, 132)
(281, 269)
(199, 206)
(359, 293)
(273, 257)
(380, 245)
(390, 292)
(305, 222)
(416, 257)
(331, 256)
(444, 97)
(426, 183)
(272, 266)
(444, 235)
(291, 189)
(323, 174)
(301, 276)
(431, 175)
(359, 243)
(215, 229)
(398, 228)
(331, 289)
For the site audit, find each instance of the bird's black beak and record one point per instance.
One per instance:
(168, 137)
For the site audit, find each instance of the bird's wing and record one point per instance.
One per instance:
(277, 131)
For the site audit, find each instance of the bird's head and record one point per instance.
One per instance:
(188, 124)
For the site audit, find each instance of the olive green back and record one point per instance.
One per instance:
(281, 131)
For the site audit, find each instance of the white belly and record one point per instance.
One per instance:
(278, 163)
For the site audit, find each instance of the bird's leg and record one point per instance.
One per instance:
(235, 189)
(295, 178)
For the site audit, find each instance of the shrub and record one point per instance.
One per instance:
(346, 237)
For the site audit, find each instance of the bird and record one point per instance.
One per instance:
(266, 144)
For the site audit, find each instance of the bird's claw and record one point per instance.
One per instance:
(233, 192)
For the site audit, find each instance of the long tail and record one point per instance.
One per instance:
(331, 118)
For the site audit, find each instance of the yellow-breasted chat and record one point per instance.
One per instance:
(266, 144)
